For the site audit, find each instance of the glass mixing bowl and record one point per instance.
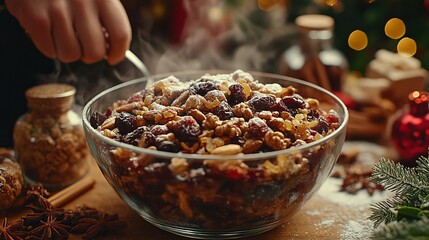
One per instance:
(211, 204)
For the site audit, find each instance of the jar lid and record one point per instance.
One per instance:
(316, 22)
(52, 97)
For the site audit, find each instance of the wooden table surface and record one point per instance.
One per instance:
(319, 219)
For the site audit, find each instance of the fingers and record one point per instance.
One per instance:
(72, 30)
(63, 33)
(39, 29)
(90, 34)
(114, 19)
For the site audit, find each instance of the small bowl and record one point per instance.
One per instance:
(208, 205)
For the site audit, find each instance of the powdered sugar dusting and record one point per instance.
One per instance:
(357, 230)
(362, 200)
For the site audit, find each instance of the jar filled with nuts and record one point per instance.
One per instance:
(49, 140)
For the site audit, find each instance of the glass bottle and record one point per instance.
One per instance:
(313, 58)
(410, 129)
(49, 140)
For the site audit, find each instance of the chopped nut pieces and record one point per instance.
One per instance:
(227, 104)
(224, 115)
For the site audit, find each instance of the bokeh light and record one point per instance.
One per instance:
(395, 28)
(358, 40)
(331, 3)
(407, 47)
(267, 5)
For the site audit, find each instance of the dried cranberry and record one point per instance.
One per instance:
(332, 117)
(262, 102)
(234, 174)
(136, 97)
(186, 129)
(322, 126)
(125, 122)
(134, 136)
(108, 112)
(168, 146)
(202, 88)
(97, 119)
(159, 130)
(223, 111)
(237, 95)
(257, 128)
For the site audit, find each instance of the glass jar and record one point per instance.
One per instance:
(49, 140)
(314, 58)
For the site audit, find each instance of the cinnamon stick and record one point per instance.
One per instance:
(322, 75)
(71, 192)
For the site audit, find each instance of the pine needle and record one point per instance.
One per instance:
(410, 187)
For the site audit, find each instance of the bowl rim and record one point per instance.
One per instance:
(163, 154)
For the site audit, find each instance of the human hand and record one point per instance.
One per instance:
(71, 30)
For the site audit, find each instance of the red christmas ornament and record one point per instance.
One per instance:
(410, 131)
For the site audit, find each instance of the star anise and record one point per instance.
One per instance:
(72, 217)
(92, 227)
(11, 231)
(51, 229)
(42, 209)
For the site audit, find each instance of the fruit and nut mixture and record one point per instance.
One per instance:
(220, 114)
(226, 114)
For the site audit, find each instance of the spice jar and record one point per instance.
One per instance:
(313, 58)
(49, 140)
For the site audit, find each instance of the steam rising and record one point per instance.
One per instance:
(216, 36)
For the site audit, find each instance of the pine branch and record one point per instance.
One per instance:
(383, 212)
(422, 165)
(403, 230)
(397, 178)
(410, 186)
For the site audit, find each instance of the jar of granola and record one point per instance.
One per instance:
(49, 140)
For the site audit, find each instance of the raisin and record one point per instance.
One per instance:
(148, 139)
(257, 128)
(186, 129)
(262, 102)
(223, 111)
(97, 119)
(159, 130)
(237, 95)
(125, 122)
(322, 126)
(134, 136)
(313, 115)
(289, 104)
(168, 146)
(295, 101)
(202, 88)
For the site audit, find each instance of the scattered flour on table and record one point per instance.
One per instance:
(330, 191)
(357, 230)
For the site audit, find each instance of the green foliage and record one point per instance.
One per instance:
(405, 214)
